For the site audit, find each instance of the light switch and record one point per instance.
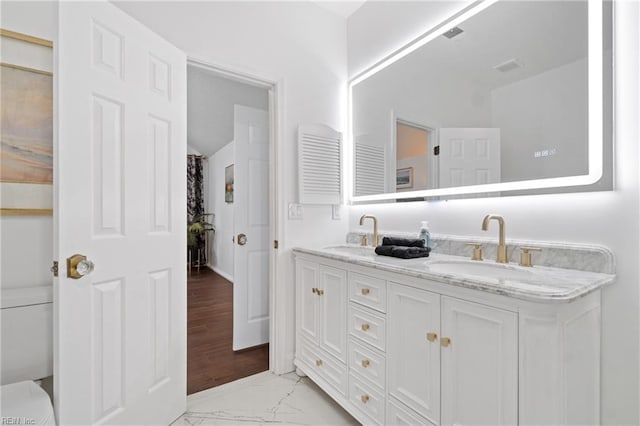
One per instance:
(295, 211)
(336, 212)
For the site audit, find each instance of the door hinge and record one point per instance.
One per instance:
(54, 268)
(436, 150)
(275, 244)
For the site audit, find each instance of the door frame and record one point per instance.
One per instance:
(277, 317)
(433, 141)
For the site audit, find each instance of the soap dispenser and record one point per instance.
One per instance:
(424, 233)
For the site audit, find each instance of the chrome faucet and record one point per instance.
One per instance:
(374, 243)
(502, 248)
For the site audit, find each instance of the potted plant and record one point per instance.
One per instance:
(197, 229)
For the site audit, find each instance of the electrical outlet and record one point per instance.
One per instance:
(336, 212)
(295, 211)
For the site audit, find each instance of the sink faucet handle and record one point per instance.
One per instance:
(363, 240)
(525, 255)
(477, 251)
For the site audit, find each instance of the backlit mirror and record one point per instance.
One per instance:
(506, 96)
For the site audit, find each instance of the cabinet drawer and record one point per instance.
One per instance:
(367, 362)
(367, 326)
(368, 291)
(367, 399)
(324, 365)
(398, 414)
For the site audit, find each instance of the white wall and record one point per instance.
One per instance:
(302, 47)
(210, 101)
(26, 241)
(607, 218)
(221, 255)
(562, 124)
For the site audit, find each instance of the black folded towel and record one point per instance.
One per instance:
(406, 242)
(403, 252)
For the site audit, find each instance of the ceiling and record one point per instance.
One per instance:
(541, 35)
(343, 8)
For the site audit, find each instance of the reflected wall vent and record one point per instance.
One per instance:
(507, 66)
(453, 32)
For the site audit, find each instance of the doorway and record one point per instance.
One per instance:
(416, 166)
(229, 131)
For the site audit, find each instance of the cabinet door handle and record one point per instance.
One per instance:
(432, 337)
(365, 363)
(318, 362)
(445, 341)
(320, 292)
(365, 327)
(365, 291)
(364, 399)
(314, 290)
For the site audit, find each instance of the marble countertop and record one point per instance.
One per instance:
(538, 283)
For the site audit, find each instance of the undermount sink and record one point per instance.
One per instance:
(481, 269)
(353, 250)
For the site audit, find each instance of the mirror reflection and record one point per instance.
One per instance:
(502, 97)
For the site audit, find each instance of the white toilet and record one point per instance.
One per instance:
(27, 354)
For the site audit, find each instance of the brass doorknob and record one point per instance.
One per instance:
(242, 239)
(432, 337)
(365, 327)
(366, 363)
(364, 399)
(78, 266)
(445, 341)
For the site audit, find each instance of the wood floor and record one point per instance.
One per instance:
(211, 359)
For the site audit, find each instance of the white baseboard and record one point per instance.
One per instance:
(221, 273)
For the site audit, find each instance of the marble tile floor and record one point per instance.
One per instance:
(264, 399)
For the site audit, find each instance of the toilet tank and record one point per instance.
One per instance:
(27, 333)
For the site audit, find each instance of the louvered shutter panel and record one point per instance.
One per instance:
(369, 168)
(319, 164)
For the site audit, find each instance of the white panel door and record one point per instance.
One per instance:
(413, 349)
(469, 156)
(251, 212)
(120, 344)
(332, 297)
(480, 365)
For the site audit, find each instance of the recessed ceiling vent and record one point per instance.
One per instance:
(453, 32)
(507, 66)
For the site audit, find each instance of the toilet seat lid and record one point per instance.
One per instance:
(26, 401)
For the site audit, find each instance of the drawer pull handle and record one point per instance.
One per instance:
(364, 399)
(365, 363)
(432, 337)
(365, 327)
(365, 291)
(318, 362)
(445, 341)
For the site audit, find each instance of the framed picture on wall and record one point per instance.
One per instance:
(228, 184)
(26, 103)
(404, 178)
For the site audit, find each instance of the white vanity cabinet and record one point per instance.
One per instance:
(396, 348)
(452, 355)
(479, 364)
(321, 321)
(413, 358)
